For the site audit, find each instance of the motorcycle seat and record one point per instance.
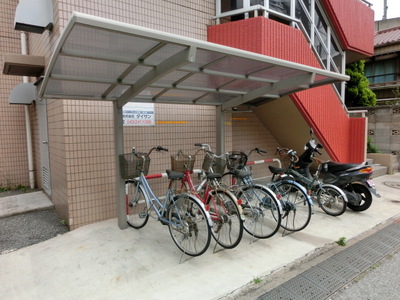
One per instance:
(338, 167)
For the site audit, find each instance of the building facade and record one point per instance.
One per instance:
(67, 147)
(383, 73)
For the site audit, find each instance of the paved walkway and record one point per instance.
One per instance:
(100, 261)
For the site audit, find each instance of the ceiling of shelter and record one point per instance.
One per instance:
(101, 59)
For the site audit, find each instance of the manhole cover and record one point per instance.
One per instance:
(392, 184)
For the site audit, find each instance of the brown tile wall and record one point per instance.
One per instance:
(249, 133)
(83, 144)
(13, 152)
(185, 17)
(81, 137)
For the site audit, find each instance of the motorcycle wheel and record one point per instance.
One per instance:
(366, 197)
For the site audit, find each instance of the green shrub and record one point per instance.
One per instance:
(371, 148)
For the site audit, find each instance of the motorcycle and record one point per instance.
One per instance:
(354, 179)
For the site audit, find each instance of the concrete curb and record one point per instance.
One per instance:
(23, 203)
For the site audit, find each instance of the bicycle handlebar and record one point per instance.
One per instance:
(159, 148)
(258, 150)
(205, 147)
(290, 152)
(139, 154)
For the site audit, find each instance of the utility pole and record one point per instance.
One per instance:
(385, 7)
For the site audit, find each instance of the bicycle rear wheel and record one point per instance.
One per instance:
(188, 225)
(332, 200)
(296, 209)
(227, 228)
(137, 210)
(261, 210)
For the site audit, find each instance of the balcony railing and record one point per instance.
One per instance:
(366, 2)
(252, 11)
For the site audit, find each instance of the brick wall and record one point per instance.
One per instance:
(384, 128)
(13, 152)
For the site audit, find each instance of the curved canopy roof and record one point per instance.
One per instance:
(102, 59)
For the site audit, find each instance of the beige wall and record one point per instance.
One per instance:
(13, 153)
(81, 137)
(80, 133)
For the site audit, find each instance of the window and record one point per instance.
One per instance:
(303, 9)
(381, 71)
(281, 6)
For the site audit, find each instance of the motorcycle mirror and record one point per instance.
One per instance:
(311, 132)
(312, 144)
(320, 146)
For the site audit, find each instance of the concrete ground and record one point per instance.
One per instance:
(100, 261)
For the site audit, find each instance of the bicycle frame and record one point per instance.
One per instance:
(152, 201)
(188, 222)
(188, 179)
(309, 199)
(248, 181)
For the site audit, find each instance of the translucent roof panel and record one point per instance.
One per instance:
(88, 68)
(101, 59)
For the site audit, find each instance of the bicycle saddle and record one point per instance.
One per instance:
(173, 175)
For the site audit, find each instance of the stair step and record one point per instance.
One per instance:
(370, 161)
(379, 170)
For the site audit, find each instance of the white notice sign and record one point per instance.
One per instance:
(138, 114)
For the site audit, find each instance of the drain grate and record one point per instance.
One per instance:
(324, 279)
(339, 269)
(354, 260)
(365, 252)
(280, 294)
(303, 288)
(378, 247)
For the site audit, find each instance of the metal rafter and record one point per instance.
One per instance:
(298, 81)
(167, 66)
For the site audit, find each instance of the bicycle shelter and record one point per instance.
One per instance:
(105, 60)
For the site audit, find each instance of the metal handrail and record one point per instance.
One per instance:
(255, 9)
(366, 2)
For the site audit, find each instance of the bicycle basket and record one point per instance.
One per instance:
(131, 165)
(236, 160)
(182, 162)
(217, 164)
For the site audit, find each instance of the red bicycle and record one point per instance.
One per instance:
(224, 209)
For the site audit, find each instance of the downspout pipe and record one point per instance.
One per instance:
(25, 79)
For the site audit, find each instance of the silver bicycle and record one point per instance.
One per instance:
(188, 222)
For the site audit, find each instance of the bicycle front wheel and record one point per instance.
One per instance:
(332, 200)
(188, 225)
(137, 210)
(227, 228)
(296, 209)
(261, 211)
